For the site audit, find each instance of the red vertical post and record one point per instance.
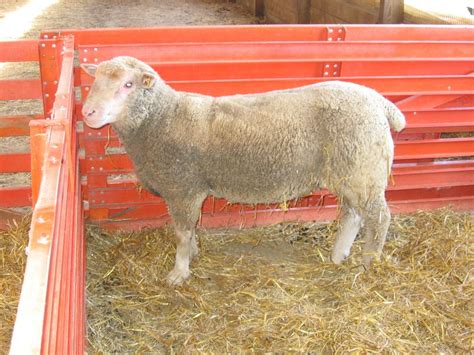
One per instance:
(50, 69)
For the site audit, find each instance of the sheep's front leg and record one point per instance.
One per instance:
(185, 213)
(186, 248)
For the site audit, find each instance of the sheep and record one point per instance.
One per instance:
(257, 148)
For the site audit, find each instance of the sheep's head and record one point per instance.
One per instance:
(116, 83)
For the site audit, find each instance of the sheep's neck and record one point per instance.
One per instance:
(154, 106)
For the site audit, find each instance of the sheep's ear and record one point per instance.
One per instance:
(148, 80)
(90, 69)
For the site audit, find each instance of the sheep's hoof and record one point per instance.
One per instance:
(338, 258)
(368, 259)
(177, 276)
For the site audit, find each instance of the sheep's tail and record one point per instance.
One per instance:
(394, 115)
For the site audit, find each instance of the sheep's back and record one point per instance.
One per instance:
(283, 144)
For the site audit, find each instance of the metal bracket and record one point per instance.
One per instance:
(88, 55)
(332, 69)
(334, 34)
(50, 57)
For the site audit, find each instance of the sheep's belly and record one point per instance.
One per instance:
(265, 191)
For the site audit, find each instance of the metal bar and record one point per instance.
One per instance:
(458, 101)
(267, 69)
(406, 68)
(435, 148)
(127, 194)
(446, 165)
(15, 162)
(424, 102)
(25, 50)
(247, 33)
(433, 179)
(317, 51)
(323, 214)
(451, 85)
(15, 196)
(20, 89)
(461, 120)
(314, 213)
(422, 85)
(16, 125)
(76, 345)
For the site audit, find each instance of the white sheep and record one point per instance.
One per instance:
(259, 148)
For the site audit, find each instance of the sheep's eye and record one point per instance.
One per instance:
(128, 84)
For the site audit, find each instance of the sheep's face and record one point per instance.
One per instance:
(116, 83)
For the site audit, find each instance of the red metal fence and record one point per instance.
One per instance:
(426, 71)
(51, 313)
(14, 125)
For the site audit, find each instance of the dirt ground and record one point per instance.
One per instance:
(92, 14)
(144, 13)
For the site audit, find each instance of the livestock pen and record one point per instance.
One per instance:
(80, 174)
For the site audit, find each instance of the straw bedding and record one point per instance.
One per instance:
(274, 289)
(12, 267)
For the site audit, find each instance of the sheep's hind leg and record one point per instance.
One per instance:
(376, 221)
(180, 271)
(350, 224)
(194, 246)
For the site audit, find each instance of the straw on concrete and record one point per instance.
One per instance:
(274, 289)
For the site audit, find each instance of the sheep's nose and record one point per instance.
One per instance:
(87, 112)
